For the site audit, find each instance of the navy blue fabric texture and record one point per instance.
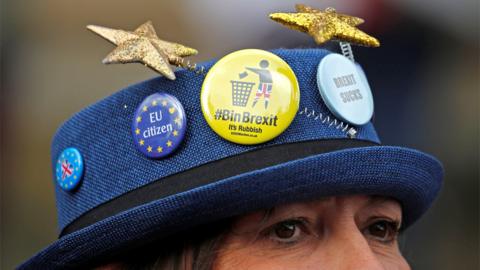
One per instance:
(408, 175)
(113, 166)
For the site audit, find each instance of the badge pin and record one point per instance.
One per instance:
(69, 169)
(344, 90)
(159, 125)
(250, 96)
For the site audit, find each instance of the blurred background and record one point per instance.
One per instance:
(424, 79)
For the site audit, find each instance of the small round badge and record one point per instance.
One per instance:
(69, 169)
(344, 90)
(159, 125)
(250, 96)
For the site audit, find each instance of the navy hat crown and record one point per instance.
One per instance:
(113, 166)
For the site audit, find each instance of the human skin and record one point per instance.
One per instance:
(343, 232)
(349, 232)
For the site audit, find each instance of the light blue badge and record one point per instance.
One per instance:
(69, 169)
(363, 77)
(344, 89)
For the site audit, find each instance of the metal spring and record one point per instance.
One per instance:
(191, 66)
(330, 121)
(347, 50)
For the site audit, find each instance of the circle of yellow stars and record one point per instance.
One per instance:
(67, 183)
(177, 121)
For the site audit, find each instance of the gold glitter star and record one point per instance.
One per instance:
(175, 133)
(145, 108)
(171, 110)
(154, 103)
(164, 103)
(169, 143)
(137, 131)
(139, 119)
(142, 142)
(159, 149)
(143, 45)
(326, 25)
(149, 148)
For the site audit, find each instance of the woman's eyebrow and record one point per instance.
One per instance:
(267, 214)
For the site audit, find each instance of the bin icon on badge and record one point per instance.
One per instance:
(241, 92)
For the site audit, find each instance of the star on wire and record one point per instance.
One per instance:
(326, 25)
(144, 46)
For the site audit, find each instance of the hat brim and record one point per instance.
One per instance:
(409, 176)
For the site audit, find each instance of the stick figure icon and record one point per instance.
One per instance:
(265, 84)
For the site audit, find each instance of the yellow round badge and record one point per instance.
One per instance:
(250, 96)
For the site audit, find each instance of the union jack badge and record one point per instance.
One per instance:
(69, 169)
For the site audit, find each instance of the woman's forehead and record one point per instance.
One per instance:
(352, 202)
(359, 201)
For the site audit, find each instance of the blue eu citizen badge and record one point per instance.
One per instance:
(69, 169)
(159, 125)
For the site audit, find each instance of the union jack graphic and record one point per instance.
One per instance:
(67, 169)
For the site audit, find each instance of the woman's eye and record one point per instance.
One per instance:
(383, 231)
(286, 231)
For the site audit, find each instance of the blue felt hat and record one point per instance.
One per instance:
(125, 197)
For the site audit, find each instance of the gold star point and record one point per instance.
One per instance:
(145, 108)
(139, 119)
(154, 103)
(149, 148)
(177, 120)
(326, 25)
(169, 143)
(143, 45)
(141, 142)
(164, 103)
(137, 131)
(175, 133)
(171, 110)
(159, 149)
